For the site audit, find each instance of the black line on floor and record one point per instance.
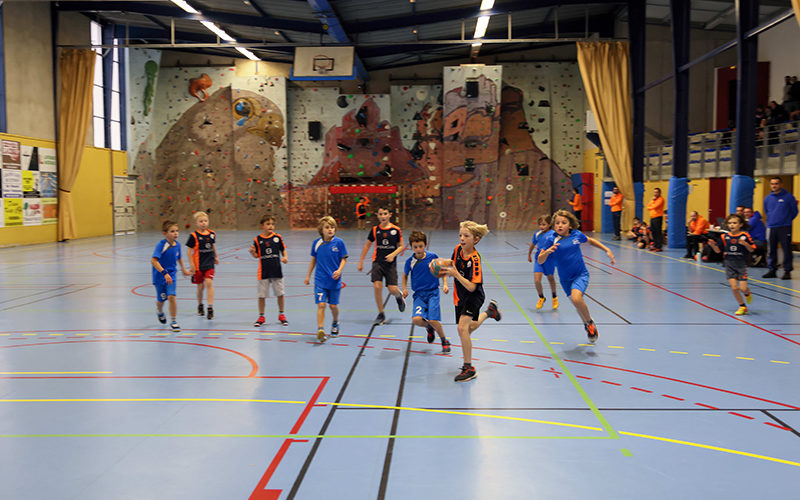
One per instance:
(480, 408)
(773, 298)
(598, 268)
(36, 293)
(512, 246)
(773, 417)
(301, 475)
(387, 461)
(772, 289)
(50, 297)
(608, 309)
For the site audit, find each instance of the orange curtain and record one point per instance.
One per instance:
(606, 77)
(796, 5)
(76, 70)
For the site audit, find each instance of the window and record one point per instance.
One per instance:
(107, 98)
(98, 104)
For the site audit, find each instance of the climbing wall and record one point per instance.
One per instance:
(470, 142)
(218, 145)
(142, 86)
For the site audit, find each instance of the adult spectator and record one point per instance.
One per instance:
(780, 207)
(616, 211)
(698, 229)
(776, 114)
(787, 93)
(740, 210)
(794, 96)
(656, 209)
(577, 206)
(758, 231)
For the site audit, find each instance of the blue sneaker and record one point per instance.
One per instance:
(162, 318)
(175, 326)
(335, 330)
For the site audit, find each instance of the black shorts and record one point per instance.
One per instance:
(384, 270)
(471, 307)
(362, 216)
(736, 271)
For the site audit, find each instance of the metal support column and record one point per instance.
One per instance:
(678, 184)
(742, 185)
(636, 34)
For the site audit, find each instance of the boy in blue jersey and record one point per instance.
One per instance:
(329, 255)
(166, 256)
(564, 248)
(426, 289)
(546, 269)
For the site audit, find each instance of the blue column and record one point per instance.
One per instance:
(747, 69)
(607, 221)
(676, 220)
(636, 33)
(742, 187)
(638, 189)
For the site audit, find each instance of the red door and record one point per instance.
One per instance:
(717, 189)
(587, 196)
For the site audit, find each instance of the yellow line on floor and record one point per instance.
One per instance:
(646, 349)
(678, 352)
(713, 355)
(748, 359)
(781, 362)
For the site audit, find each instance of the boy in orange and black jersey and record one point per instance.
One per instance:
(269, 249)
(388, 240)
(361, 211)
(202, 245)
(468, 296)
(736, 247)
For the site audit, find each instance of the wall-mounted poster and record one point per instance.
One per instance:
(28, 185)
(11, 154)
(12, 209)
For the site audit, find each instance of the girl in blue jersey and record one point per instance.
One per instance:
(329, 255)
(547, 268)
(564, 249)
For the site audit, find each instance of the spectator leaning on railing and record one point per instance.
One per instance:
(780, 207)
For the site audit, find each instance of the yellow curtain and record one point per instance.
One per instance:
(76, 70)
(796, 5)
(606, 78)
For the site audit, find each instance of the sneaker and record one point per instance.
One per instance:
(431, 334)
(335, 330)
(770, 274)
(175, 326)
(492, 311)
(210, 313)
(741, 311)
(786, 275)
(445, 345)
(200, 311)
(379, 319)
(282, 320)
(687, 256)
(321, 336)
(401, 303)
(540, 302)
(162, 318)
(749, 298)
(657, 250)
(260, 321)
(591, 331)
(555, 303)
(467, 373)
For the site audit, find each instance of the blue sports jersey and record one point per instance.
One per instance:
(168, 258)
(539, 238)
(421, 278)
(329, 256)
(568, 256)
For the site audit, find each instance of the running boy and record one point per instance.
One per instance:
(545, 269)
(468, 296)
(202, 245)
(361, 212)
(426, 289)
(736, 245)
(565, 250)
(165, 257)
(388, 244)
(270, 251)
(329, 254)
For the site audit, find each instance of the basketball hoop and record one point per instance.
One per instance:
(322, 64)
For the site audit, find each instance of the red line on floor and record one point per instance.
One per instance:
(523, 366)
(740, 415)
(673, 397)
(610, 383)
(390, 349)
(642, 390)
(497, 362)
(707, 406)
(253, 364)
(585, 378)
(778, 426)
(695, 301)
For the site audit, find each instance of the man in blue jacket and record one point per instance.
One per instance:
(780, 207)
(758, 231)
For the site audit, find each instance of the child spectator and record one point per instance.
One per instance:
(166, 256)
(564, 247)
(388, 240)
(202, 244)
(468, 296)
(269, 249)
(736, 245)
(547, 269)
(426, 289)
(329, 255)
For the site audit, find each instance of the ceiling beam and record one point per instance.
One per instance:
(331, 24)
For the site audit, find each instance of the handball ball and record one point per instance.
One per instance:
(437, 266)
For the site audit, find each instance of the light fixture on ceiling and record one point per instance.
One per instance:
(185, 6)
(480, 27)
(487, 4)
(248, 54)
(217, 31)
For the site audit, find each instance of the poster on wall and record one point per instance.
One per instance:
(47, 160)
(31, 212)
(12, 183)
(49, 210)
(11, 154)
(12, 210)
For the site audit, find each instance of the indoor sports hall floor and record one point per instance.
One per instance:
(679, 398)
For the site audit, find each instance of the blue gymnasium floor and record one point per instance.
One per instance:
(679, 398)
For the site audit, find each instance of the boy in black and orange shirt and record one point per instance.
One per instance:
(270, 251)
(202, 245)
(388, 240)
(736, 247)
(468, 296)
(361, 211)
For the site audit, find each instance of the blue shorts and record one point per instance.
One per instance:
(326, 295)
(163, 290)
(579, 282)
(426, 304)
(547, 268)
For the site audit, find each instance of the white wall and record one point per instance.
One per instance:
(775, 46)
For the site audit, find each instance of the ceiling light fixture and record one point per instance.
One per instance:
(248, 54)
(217, 31)
(185, 6)
(487, 4)
(480, 28)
